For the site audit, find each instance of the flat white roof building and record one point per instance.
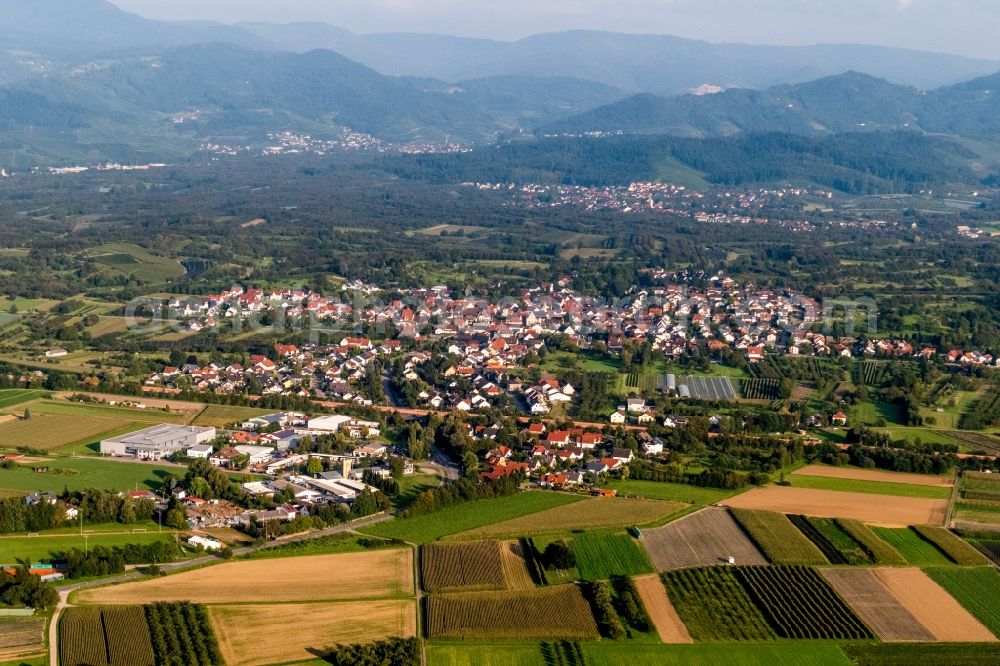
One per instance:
(257, 454)
(202, 451)
(329, 423)
(157, 441)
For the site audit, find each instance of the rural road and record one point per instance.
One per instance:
(134, 574)
(445, 472)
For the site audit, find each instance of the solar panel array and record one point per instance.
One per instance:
(710, 388)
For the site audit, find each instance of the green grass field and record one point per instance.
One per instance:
(11, 397)
(978, 590)
(463, 654)
(671, 492)
(58, 432)
(62, 426)
(132, 259)
(869, 487)
(850, 550)
(326, 545)
(223, 415)
(65, 407)
(869, 413)
(913, 547)
(561, 360)
(878, 550)
(779, 540)
(980, 499)
(27, 661)
(83, 473)
(952, 407)
(956, 549)
(938, 654)
(917, 434)
(607, 653)
(432, 526)
(39, 548)
(410, 488)
(599, 556)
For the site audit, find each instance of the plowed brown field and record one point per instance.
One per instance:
(378, 573)
(249, 636)
(878, 509)
(934, 608)
(703, 538)
(876, 605)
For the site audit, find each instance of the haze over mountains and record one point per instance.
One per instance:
(81, 80)
(650, 63)
(848, 102)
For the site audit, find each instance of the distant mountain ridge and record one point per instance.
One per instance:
(82, 81)
(659, 64)
(63, 27)
(845, 103)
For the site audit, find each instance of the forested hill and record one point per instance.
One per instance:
(844, 103)
(854, 162)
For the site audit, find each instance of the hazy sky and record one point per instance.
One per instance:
(968, 27)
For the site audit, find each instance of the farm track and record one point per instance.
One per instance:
(661, 611)
(703, 538)
(876, 605)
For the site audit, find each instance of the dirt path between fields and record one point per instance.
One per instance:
(661, 611)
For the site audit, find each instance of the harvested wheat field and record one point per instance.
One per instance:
(661, 611)
(704, 538)
(378, 573)
(934, 608)
(20, 636)
(874, 475)
(594, 513)
(515, 569)
(878, 509)
(253, 635)
(876, 605)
